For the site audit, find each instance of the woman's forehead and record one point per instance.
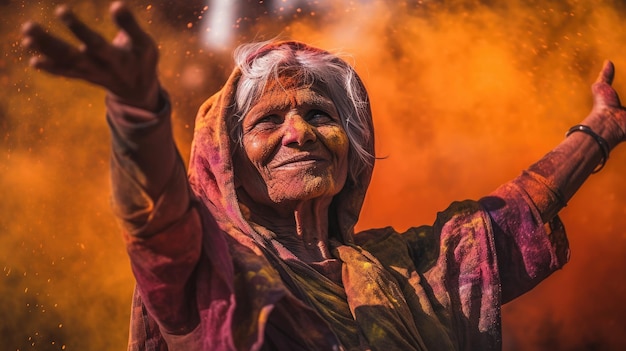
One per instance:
(280, 98)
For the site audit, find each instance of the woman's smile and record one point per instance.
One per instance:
(300, 160)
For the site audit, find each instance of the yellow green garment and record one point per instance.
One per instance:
(215, 281)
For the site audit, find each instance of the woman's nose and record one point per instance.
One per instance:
(297, 131)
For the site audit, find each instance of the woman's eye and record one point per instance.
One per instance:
(317, 116)
(267, 121)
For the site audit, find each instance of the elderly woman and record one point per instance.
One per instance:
(256, 250)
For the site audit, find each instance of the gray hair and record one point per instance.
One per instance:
(261, 62)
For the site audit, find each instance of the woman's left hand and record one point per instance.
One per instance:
(607, 105)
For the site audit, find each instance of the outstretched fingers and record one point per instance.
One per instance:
(125, 67)
(53, 48)
(57, 67)
(58, 57)
(94, 43)
(124, 19)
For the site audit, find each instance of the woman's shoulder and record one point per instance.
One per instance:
(418, 245)
(422, 243)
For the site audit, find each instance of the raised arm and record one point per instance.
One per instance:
(527, 250)
(145, 162)
(149, 184)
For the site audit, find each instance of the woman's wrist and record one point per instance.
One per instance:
(604, 124)
(151, 100)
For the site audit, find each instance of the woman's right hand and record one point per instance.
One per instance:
(125, 67)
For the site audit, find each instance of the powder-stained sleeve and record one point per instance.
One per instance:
(151, 198)
(164, 265)
(480, 254)
(528, 249)
(464, 278)
(150, 190)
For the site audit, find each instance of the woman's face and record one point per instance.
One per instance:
(294, 148)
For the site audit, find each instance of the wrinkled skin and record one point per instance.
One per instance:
(294, 149)
(292, 161)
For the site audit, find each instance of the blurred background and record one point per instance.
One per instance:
(465, 95)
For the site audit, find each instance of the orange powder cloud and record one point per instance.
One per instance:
(465, 95)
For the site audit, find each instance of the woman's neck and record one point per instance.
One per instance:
(302, 228)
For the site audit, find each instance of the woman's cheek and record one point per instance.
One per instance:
(337, 141)
(259, 147)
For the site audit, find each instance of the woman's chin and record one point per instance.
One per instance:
(318, 188)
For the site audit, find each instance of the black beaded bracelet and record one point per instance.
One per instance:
(604, 146)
